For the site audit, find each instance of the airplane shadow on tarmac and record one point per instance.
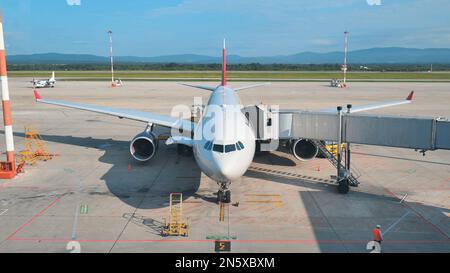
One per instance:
(140, 185)
(273, 159)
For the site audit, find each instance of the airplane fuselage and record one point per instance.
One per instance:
(224, 144)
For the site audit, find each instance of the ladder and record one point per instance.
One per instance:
(34, 149)
(176, 226)
(349, 174)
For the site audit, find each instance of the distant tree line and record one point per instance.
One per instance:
(232, 67)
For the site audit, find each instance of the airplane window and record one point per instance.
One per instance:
(240, 145)
(208, 145)
(230, 148)
(218, 148)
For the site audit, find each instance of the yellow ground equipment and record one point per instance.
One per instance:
(176, 226)
(34, 148)
(221, 211)
(333, 147)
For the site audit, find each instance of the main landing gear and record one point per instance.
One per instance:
(224, 193)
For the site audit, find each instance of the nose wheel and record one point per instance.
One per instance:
(224, 194)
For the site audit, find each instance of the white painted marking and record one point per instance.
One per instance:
(3, 211)
(395, 223)
(75, 222)
(404, 197)
(374, 246)
(73, 247)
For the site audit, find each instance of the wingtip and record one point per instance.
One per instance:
(36, 95)
(410, 96)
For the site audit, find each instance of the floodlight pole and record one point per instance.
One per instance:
(111, 57)
(345, 56)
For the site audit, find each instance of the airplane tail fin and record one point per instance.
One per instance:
(52, 79)
(224, 65)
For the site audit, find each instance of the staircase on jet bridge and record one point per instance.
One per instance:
(353, 181)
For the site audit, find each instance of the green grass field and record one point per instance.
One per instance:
(234, 75)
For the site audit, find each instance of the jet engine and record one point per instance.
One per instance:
(304, 149)
(143, 146)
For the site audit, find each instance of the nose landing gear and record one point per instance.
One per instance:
(224, 193)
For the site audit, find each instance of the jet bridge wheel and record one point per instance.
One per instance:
(343, 186)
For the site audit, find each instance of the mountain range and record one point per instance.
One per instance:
(387, 55)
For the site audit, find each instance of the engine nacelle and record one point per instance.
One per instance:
(304, 149)
(143, 146)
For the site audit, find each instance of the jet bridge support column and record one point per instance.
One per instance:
(342, 172)
(347, 145)
(339, 141)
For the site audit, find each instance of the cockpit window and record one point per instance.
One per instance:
(208, 145)
(230, 148)
(240, 145)
(218, 148)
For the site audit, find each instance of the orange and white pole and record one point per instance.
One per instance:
(5, 102)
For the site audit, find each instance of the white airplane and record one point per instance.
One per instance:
(45, 83)
(223, 140)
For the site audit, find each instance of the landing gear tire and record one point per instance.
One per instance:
(257, 148)
(343, 186)
(224, 196)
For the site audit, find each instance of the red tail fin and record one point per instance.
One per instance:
(36, 95)
(410, 96)
(224, 65)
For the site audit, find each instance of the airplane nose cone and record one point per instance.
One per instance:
(227, 172)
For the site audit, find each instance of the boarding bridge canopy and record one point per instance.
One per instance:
(391, 131)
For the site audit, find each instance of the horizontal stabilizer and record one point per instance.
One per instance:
(251, 86)
(199, 86)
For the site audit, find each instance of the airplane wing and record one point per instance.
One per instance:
(361, 108)
(158, 119)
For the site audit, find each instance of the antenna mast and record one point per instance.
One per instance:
(111, 58)
(344, 68)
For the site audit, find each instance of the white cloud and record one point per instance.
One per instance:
(73, 2)
(374, 2)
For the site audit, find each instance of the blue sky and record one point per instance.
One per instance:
(252, 27)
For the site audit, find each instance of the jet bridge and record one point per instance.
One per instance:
(391, 131)
(344, 127)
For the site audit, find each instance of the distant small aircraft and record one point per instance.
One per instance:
(45, 83)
